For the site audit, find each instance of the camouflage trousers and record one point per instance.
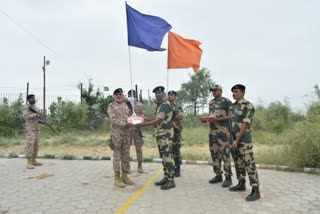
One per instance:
(121, 152)
(165, 151)
(176, 145)
(138, 143)
(32, 147)
(244, 161)
(220, 151)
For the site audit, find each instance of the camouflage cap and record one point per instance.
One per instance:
(172, 92)
(216, 87)
(118, 90)
(239, 86)
(158, 88)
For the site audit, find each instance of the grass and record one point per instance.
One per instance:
(268, 147)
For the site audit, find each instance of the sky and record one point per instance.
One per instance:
(270, 46)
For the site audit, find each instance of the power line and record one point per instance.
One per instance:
(36, 38)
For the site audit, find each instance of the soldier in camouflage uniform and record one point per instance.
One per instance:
(242, 112)
(219, 137)
(163, 133)
(32, 131)
(119, 112)
(135, 133)
(177, 128)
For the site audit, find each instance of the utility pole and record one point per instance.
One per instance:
(81, 92)
(27, 91)
(44, 83)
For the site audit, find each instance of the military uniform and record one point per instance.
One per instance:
(163, 133)
(136, 136)
(219, 137)
(32, 130)
(243, 112)
(176, 140)
(119, 113)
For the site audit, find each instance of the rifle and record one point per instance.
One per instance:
(43, 120)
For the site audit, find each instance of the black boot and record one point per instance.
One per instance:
(161, 182)
(240, 187)
(177, 171)
(254, 195)
(170, 184)
(216, 179)
(227, 182)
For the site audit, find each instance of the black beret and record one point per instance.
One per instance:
(129, 92)
(118, 90)
(216, 87)
(239, 86)
(159, 88)
(30, 96)
(172, 92)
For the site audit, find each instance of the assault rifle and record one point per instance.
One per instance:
(43, 120)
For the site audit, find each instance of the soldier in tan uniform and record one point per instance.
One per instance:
(32, 131)
(135, 133)
(119, 112)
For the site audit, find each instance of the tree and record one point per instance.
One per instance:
(196, 91)
(96, 103)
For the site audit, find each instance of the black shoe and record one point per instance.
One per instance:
(161, 182)
(216, 179)
(177, 172)
(227, 182)
(240, 187)
(254, 195)
(170, 184)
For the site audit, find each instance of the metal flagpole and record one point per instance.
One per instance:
(167, 79)
(130, 67)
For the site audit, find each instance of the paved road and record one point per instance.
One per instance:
(64, 186)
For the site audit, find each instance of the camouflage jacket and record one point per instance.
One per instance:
(118, 113)
(177, 110)
(242, 112)
(219, 108)
(31, 119)
(163, 129)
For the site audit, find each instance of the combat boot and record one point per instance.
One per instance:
(177, 171)
(227, 182)
(170, 184)
(140, 169)
(216, 179)
(35, 162)
(117, 180)
(254, 195)
(29, 163)
(125, 178)
(161, 182)
(240, 187)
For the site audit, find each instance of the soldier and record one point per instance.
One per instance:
(163, 132)
(219, 137)
(177, 128)
(135, 133)
(119, 112)
(32, 131)
(242, 112)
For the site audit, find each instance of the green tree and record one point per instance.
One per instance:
(194, 93)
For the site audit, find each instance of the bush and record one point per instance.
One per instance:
(305, 143)
(11, 121)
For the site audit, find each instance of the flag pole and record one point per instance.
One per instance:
(167, 79)
(130, 68)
